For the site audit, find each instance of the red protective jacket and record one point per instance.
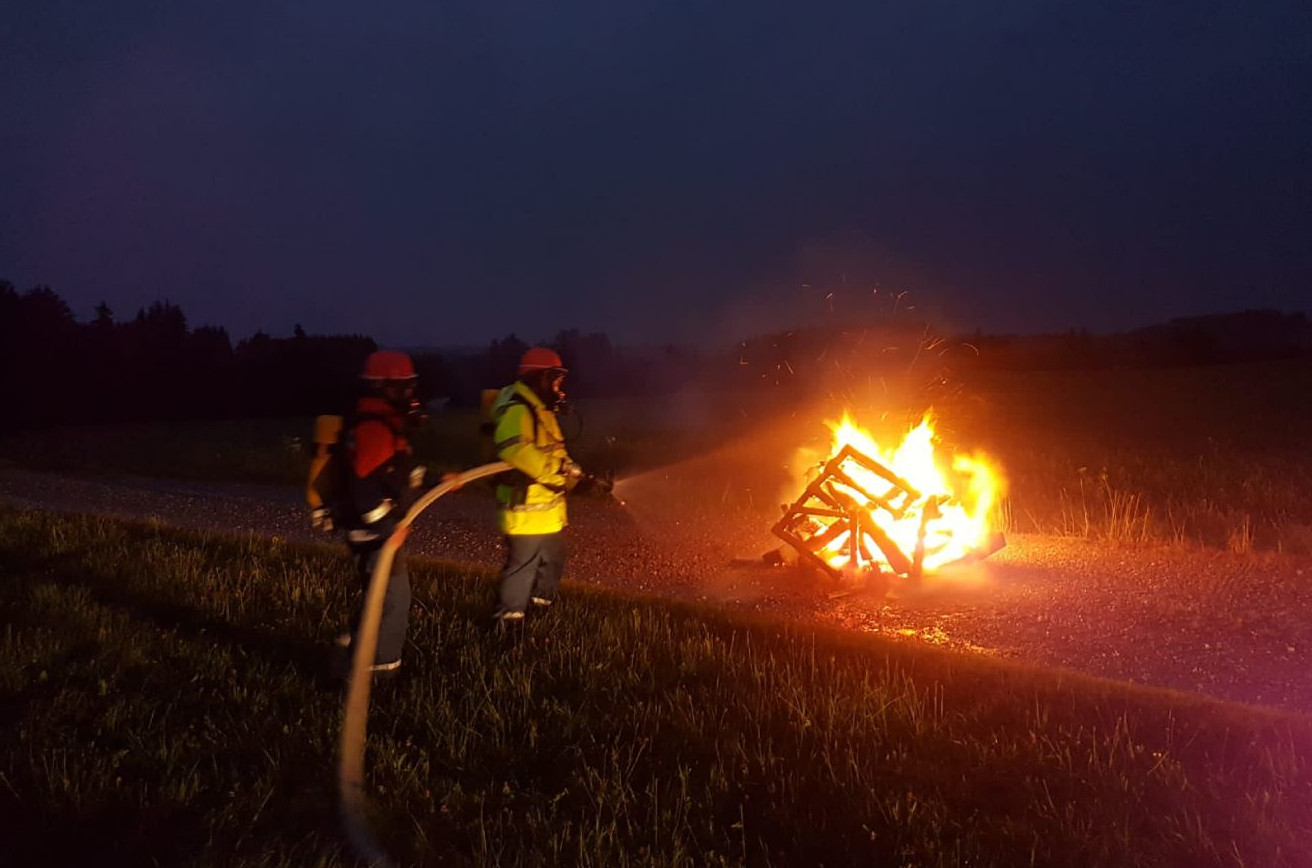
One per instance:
(381, 482)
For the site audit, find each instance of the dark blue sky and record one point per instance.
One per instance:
(435, 173)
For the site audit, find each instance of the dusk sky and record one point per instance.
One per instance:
(438, 173)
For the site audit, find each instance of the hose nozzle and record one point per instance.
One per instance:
(603, 482)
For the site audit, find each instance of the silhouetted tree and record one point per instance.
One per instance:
(56, 370)
(155, 367)
(42, 358)
(300, 375)
(437, 377)
(591, 360)
(10, 355)
(503, 360)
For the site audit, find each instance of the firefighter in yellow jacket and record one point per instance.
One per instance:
(531, 497)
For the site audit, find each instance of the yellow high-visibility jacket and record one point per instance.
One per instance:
(527, 437)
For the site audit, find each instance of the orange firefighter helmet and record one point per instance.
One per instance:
(541, 359)
(388, 365)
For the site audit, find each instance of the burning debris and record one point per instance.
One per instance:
(869, 513)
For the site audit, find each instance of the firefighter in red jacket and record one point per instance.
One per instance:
(382, 482)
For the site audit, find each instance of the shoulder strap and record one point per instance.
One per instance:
(353, 421)
(532, 413)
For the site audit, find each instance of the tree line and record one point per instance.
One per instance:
(877, 347)
(55, 369)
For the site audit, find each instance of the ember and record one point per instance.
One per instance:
(871, 512)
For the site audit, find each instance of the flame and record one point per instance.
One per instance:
(963, 488)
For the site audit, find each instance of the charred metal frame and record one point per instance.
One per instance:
(826, 498)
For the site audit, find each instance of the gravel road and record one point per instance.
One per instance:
(1229, 626)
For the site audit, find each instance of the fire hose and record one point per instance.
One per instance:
(355, 711)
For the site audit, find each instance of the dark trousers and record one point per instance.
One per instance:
(534, 563)
(395, 619)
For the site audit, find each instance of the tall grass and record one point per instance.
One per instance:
(256, 450)
(609, 434)
(1096, 510)
(165, 697)
(1215, 456)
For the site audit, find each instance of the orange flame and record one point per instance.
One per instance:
(966, 487)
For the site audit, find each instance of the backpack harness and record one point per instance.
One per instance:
(327, 486)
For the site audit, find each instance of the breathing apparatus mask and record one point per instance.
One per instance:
(400, 394)
(549, 386)
(556, 392)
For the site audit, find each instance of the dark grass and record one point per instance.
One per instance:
(1214, 456)
(611, 434)
(165, 695)
(256, 450)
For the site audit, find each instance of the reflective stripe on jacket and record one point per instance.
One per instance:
(527, 437)
(380, 484)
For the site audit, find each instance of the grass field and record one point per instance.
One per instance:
(163, 700)
(256, 450)
(1218, 456)
(616, 433)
